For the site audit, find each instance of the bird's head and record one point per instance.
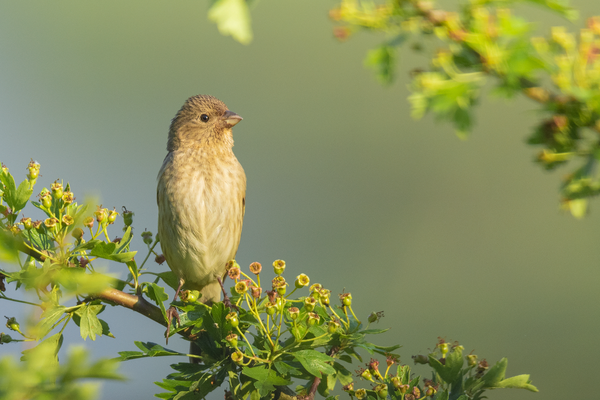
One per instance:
(202, 121)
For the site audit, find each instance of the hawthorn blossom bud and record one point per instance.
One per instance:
(302, 280)
(279, 266)
(255, 268)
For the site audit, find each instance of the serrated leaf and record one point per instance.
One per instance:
(49, 317)
(22, 195)
(108, 252)
(518, 382)
(314, 362)
(266, 379)
(89, 324)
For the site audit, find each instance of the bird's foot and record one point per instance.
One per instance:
(171, 313)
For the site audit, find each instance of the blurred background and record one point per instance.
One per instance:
(458, 239)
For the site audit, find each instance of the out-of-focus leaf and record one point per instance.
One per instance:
(232, 18)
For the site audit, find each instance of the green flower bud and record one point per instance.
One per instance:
(12, 324)
(88, 222)
(112, 216)
(444, 348)
(33, 170)
(280, 304)
(46, 200)
(241, 287)
(232, 317)
(375, 316)
(430, 392)
(67, 220)
(294, 312)
(361, 394)
(346, 299)
(27, 223)
(270, 308)
(396, 382)
(279, 285)
(313, 318)
(279, 266)
(77, 233)
(68, 197)
(309, 303)
(4, 338)
(50, 223)
(302, 280)
(127, 216)
(315, 289)
(232, 339)
(237, 357)
(147, 236)
(471, 360)
(381, 390)
(189, 296)
(366, 374)
(100, 214)
(332, 327)
(57, 190)
(420, 359)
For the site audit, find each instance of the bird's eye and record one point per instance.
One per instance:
(204, 118)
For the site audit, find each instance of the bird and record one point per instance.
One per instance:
(201, 196)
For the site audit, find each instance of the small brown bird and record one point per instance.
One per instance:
(201, 197)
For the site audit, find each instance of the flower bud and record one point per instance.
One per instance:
(50, 223)
(255, 268)
(100, 214)
(375, 316)
(416, 392)
(67, 220)
(404, 388)
(232, 317)
(471, 360)
(88, 222)
(112, 216)
(27, 223)
(346, 299)
(232, 339)
(332, 327)
(302, 280)
(127, 216)
(279, 285)
(46, 200)
(241, 287)
(396, 382)
(4, 338)
(361, 394)
(237, 357)
(294, 313)
(189, 296)
(349, 387)
(159, 259)
(12, 324)
(430, 392)
(33, 170)
(315, 290)
(234, 273)
(381, 390)
(366, 374)
(270, 308)
(57, 190)
(309, 303)
(68, 197)
(256, 292)
(147, 237)
(77, 233)
(313, 318)
(279, 266)
(443, 346)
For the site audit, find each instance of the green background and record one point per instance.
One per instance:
(458, 239)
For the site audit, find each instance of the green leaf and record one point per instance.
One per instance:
(314, 362)
(383, 61)
(342, 374)
(157, 293)
(232, 18)
(169, 278)
(21, 197)
(47, 350)
(518, 382)
(266, 379)
(496, 373)
(108, 252)
(89, 324)
(149, 349)
(449, 371)
(49, 317)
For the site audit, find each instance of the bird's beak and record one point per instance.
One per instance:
(231, 118)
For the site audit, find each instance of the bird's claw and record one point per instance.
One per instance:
(171, 312)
